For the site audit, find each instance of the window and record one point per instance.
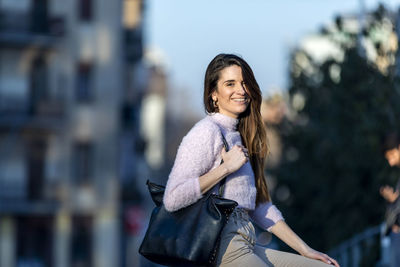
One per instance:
(81, 245)
(39, 90)
(84, 87)
(85, 10)
(36, 165)
(13, 169)
(82, 160)
(34, 240)
(39, 13)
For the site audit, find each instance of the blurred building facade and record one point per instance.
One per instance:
(71, 84)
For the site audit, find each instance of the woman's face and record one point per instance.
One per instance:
(231, 96)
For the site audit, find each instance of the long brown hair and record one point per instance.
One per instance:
(251, 126)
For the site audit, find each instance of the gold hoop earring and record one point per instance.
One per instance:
(215, 104)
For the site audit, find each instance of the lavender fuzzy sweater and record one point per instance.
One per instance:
(200, 152)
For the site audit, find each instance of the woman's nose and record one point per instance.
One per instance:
(241, 89)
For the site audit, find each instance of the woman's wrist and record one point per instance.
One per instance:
(304, 249)
(225, 170)
(208, 180)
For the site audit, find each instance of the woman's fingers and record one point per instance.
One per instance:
(223, 152)
(335, 262)
(244, 150)
(235, 158)
(322, 257)
(237, 151)
(330, 260)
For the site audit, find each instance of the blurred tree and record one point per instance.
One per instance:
(342, 105)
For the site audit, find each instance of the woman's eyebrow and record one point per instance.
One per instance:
(229, 81)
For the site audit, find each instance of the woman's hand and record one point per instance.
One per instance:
(316, 255)
(235, 158)
(286, 234)
(388, 193)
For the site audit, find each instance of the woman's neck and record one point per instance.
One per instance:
(225, 121)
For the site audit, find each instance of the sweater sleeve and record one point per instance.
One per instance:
(266, 215)
(196, 156)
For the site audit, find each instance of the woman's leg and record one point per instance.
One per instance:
(237, 244)
(285, 259)
(237, 248)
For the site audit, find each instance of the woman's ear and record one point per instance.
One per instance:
(214, 96)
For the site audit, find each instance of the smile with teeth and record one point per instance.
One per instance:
(240, 100)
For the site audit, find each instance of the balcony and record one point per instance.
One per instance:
(18, 196)
(45, 114)
(23, 29)
(25, 207)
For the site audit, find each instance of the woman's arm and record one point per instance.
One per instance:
(266, 215)
(286, 234)
(195, 169)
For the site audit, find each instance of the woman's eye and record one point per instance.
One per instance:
(229, 84)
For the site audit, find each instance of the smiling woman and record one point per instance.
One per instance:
(232, 99)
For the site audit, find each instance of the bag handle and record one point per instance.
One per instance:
(222, 182)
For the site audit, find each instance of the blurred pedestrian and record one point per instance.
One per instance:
(391, 195)
(232, 100)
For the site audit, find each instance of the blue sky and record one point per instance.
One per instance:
(189, 33)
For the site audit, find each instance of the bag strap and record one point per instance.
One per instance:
(222, 182)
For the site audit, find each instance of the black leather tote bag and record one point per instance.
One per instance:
(189, 236)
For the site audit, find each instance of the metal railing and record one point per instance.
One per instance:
(354, 251)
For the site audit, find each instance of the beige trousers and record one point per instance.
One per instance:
(238, 248)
